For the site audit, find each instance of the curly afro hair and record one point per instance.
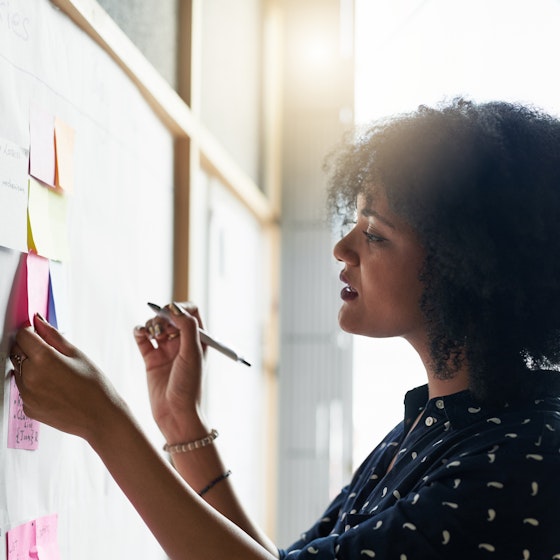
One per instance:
(480, 185)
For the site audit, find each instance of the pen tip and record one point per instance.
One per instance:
(243, 361)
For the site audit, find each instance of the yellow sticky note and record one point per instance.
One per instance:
(64, 146)
(48, 212)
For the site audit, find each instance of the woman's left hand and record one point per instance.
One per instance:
(59, 385)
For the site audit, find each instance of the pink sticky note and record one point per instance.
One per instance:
(46, 529)
(37, 285)
(23, 432)
(30, 291)
(34, 540)
(21, 541)
(18, 307)
(41, 145)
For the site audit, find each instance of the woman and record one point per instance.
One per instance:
(454, 247)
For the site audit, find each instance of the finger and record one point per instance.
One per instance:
(192, 309)
(162, 330)
(28, 343)
(52, 336)
(187, 325)
(16, 354)
(143, 340)
(17, 357)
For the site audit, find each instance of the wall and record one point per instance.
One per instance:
(119, 232)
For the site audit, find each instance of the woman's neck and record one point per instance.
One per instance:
(438, 386)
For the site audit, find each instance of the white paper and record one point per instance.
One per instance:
(14, 161)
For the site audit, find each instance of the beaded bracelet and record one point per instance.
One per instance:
(191, 445)
(214, 482)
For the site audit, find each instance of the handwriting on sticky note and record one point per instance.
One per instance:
(14, 161)
(46, 529)
(23, 432)
(21, 541)
(34, 539)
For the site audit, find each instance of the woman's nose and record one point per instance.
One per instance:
(344, 252)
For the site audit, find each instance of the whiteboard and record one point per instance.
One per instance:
(120, 235)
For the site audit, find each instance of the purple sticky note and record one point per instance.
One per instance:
(51, 313)
(21, 541)
(41, 146)
(23, 432)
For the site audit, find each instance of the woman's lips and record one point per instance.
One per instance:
(347, 293)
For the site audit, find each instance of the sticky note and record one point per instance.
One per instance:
(37, 285)
(48, 221)
(30, 291)
(58, 312)
(21, 541)
(14, 162)
(41, 145)
(46, 537)
(37, 539)
(23, 432)
(64, 150)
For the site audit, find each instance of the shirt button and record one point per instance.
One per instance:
(440, 404)
(429, 421)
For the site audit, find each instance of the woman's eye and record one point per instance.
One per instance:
(372, 238)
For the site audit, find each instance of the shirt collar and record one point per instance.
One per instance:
(462, 408)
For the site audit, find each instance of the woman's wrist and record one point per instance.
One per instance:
(108, 425)
(186, 429)
(191, 445)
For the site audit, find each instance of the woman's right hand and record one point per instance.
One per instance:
(174, 371)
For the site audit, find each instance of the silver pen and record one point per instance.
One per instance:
(205, 338)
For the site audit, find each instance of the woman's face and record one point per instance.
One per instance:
(382, 260)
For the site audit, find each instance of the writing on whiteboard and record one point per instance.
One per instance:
(14, 19)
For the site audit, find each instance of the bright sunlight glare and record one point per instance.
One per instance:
(412, 52)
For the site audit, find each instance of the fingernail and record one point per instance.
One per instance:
(176, 309)
(39, 316)
(157, 329)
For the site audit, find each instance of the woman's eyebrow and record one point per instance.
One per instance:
(369, 212)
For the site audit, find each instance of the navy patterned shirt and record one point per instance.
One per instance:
(468, 483)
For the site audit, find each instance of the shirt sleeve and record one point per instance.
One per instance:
(486, 505)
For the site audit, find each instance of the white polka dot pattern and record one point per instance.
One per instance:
(467, 483)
